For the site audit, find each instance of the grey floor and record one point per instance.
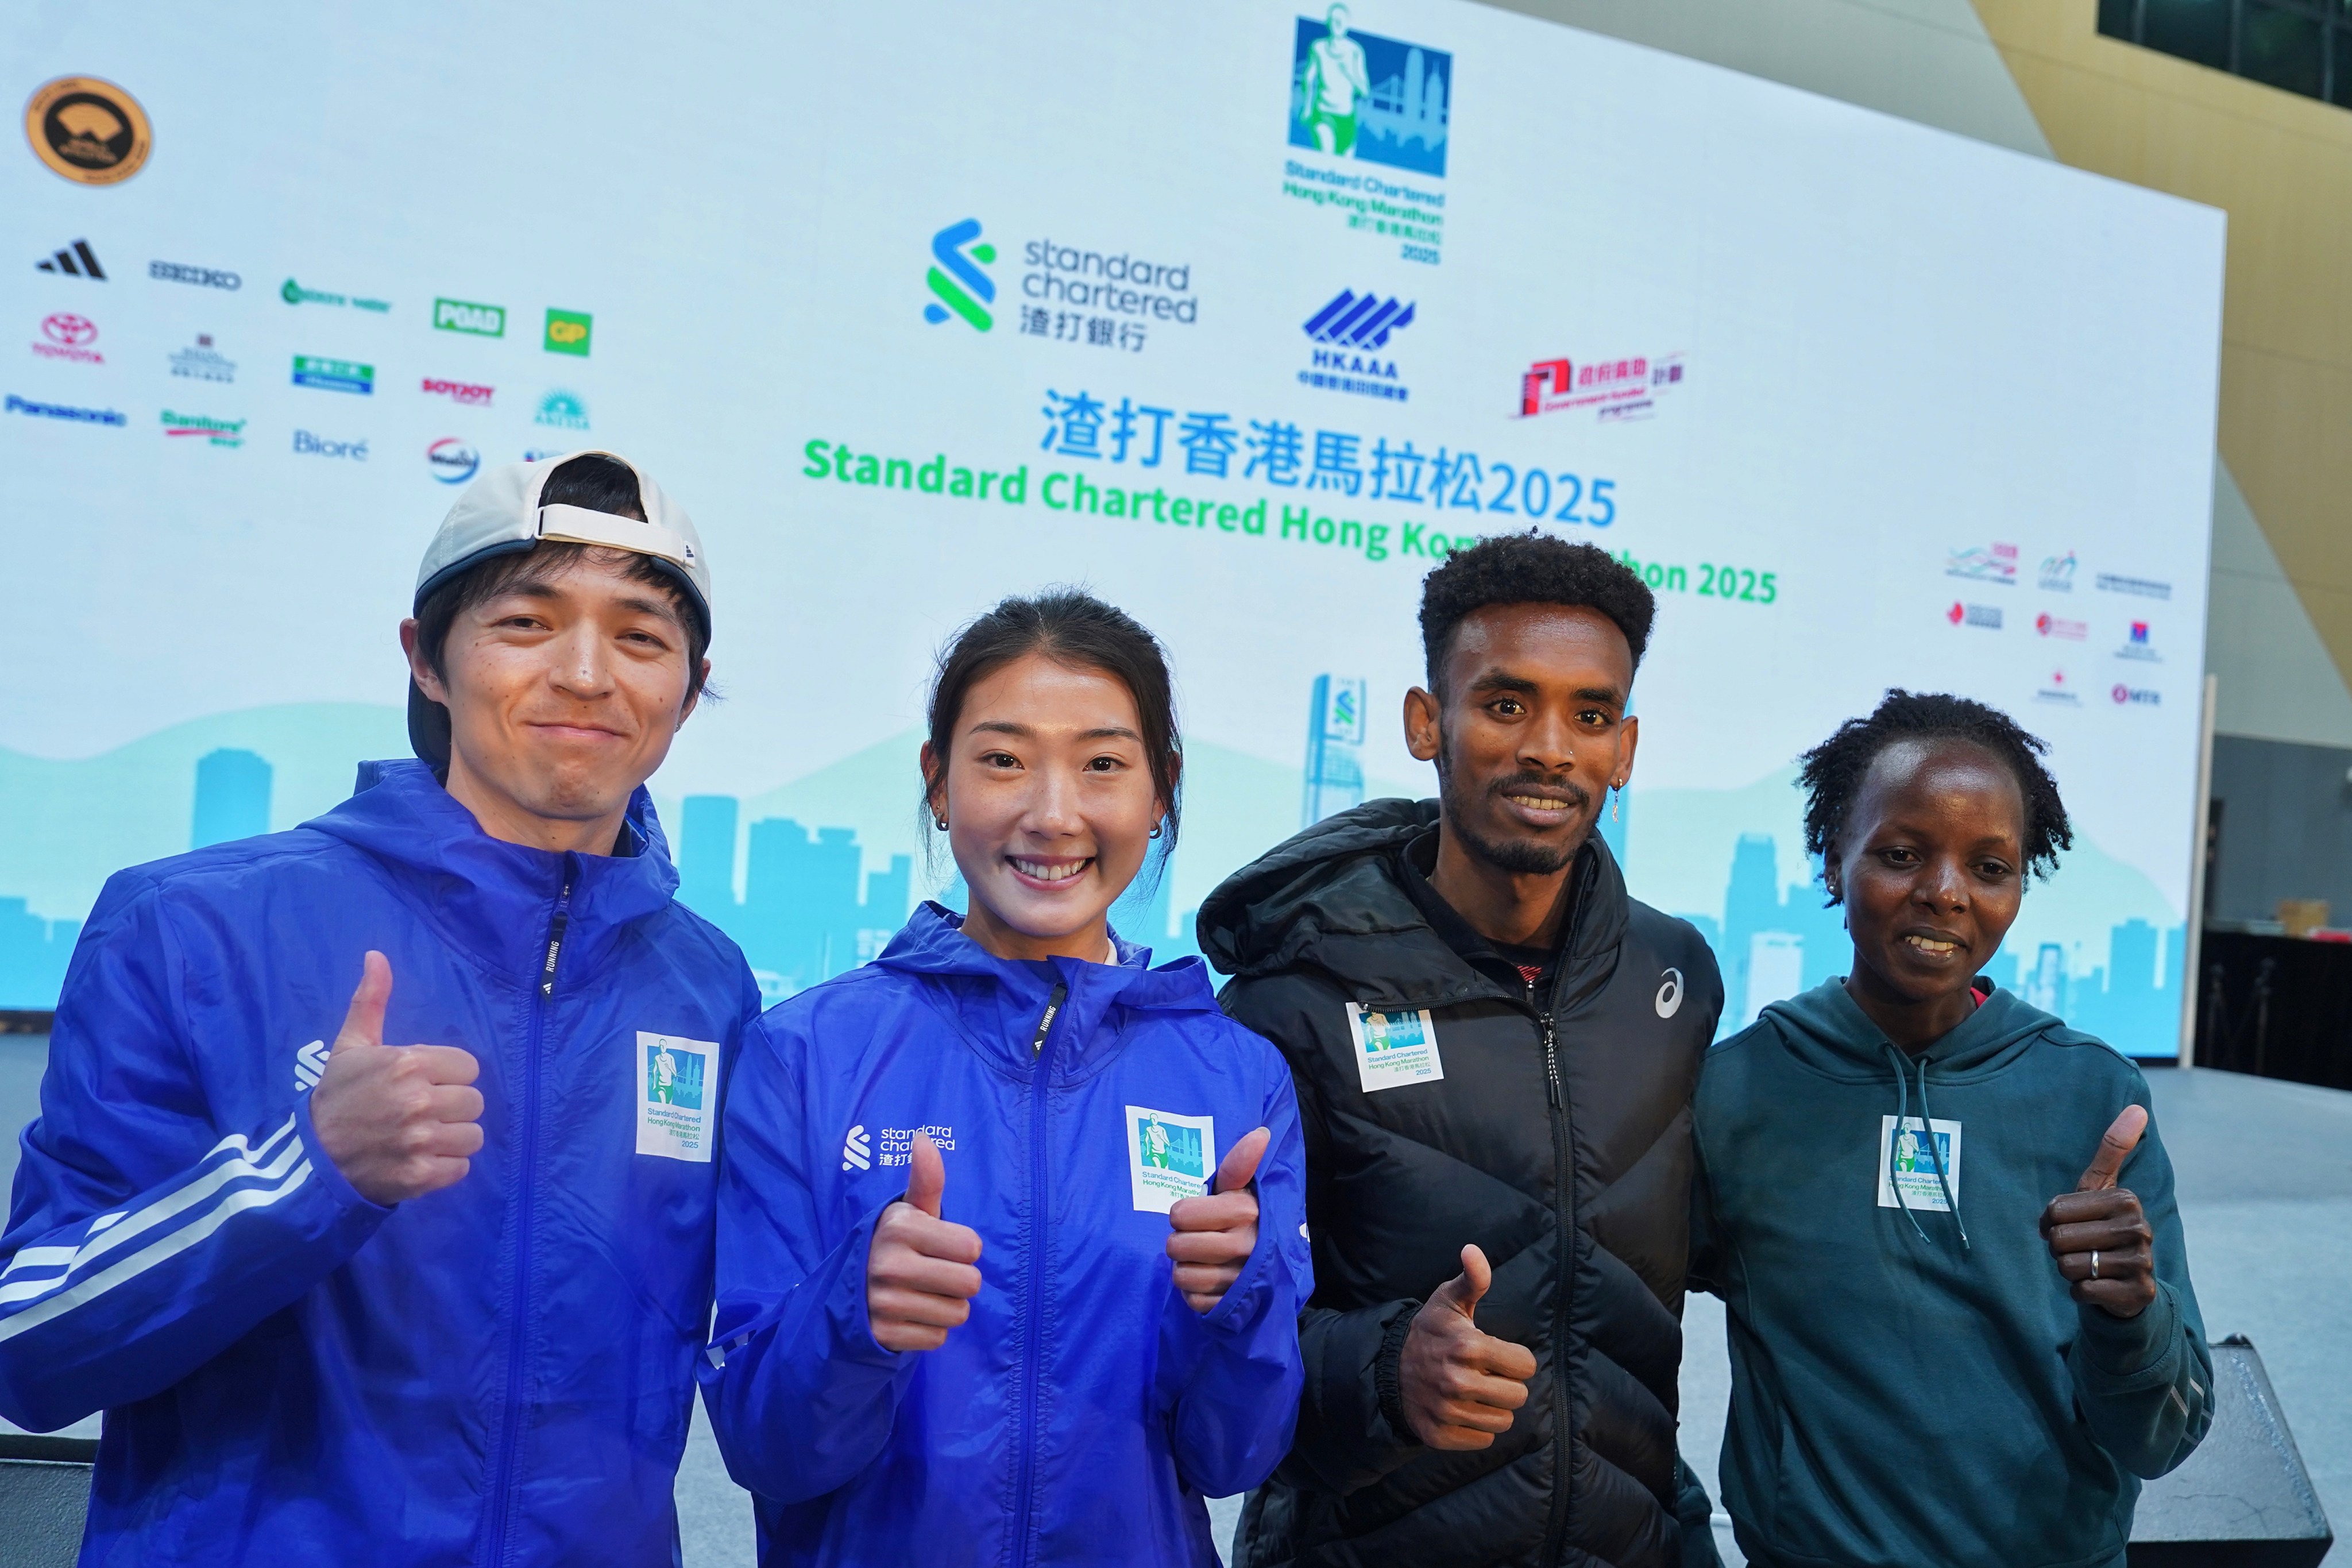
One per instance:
(2265, 1179)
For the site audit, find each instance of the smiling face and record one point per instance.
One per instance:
(1050, 806)
(1930, 866)
(564, 692)
(1531, 731)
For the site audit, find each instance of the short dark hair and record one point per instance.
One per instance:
(1834, 771)
(1072, 627)
(592, 481)
(1531, 568)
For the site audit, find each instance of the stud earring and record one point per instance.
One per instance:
(1155, 830)
(942, 823)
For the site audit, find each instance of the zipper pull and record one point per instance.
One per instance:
(1045, 1024)
(1552, 1064)
(555, 941)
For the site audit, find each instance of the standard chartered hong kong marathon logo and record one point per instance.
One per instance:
(960, 285)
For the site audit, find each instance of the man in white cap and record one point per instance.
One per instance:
(415, 1272)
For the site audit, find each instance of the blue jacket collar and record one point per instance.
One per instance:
(494, 901)
(996, 1002)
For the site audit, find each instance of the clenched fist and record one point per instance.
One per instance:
(399, 1121)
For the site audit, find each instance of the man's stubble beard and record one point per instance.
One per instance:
(1519, 857)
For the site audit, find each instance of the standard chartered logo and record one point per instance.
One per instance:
(960, 285)
(857, 1150)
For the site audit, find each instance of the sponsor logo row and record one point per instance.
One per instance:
(451, 459)
(562, 331)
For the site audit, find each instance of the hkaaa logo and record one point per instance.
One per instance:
(453, 462)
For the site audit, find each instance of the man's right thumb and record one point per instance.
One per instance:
(363, 1025)
(928, 1176)
(1464, 1290)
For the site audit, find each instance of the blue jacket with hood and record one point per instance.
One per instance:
(497, 1372)
(1085, 1409)
(1910, 1380)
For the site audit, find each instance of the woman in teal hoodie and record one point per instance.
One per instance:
(1951, 1342)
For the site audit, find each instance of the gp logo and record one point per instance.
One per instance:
(1670, 992)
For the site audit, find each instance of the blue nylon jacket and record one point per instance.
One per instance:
(497, 1372)
(1085, 1410)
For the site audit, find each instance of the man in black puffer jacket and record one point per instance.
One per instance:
(1495, 1049)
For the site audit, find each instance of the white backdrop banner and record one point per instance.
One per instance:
(1240, 316)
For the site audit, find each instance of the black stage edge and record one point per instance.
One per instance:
(20, 1021)
(2276, 1007)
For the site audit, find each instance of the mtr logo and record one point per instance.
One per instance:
(961, 287)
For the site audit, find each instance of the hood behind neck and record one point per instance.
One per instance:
(1330, 897)
(1826, 1029)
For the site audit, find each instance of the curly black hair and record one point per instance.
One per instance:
(1531, 568)
(1834, 770)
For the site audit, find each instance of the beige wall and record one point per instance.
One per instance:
(2281, 166)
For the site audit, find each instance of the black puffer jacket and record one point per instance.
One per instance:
(1560, 1116)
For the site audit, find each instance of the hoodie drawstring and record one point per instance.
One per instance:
(1935, 1149)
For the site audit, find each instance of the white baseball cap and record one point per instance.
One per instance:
(499, 514)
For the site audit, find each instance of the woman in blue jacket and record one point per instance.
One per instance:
(1961, 1331)
(978, 1299)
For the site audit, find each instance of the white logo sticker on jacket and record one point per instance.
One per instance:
(1913, 1163)
(1169, 1156)
(857, 1149)
(1393, 1049)
(677, 1090)
(311, 1065)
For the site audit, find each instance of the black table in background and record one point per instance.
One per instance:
(2278, 1006)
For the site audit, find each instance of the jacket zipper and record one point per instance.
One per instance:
(542, 998)
(1565, 1264)
(1034, 1267)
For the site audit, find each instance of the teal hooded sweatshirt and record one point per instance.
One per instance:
(1910, 1381)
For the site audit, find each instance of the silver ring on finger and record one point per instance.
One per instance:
(2095, 1263)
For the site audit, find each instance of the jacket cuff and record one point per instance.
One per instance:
(2122, 1348)
(348, 1198)
(1388, 1373)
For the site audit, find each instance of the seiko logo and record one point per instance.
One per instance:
(856, 1151)
(1670, 994)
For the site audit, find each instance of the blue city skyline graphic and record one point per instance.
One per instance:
(798, 899)
(1401, 104)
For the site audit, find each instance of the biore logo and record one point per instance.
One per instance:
(459, 392)
(76, 260)
(334, 374)
(453, 462)
(17, 405)
(563, 409)
(568, 333)
(309, 445)
(465, 316)
(69, 338)
(857, 1150)
(220, 432)
(1985, 615)
(2134, 696)
(963, 280)
(204, 276)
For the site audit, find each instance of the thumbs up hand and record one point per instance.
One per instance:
(2103, 1244)
(399, 1121)
(1459, 1385)
(1211, 1239)
(919, 1273)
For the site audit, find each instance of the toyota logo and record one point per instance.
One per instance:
(68, 329)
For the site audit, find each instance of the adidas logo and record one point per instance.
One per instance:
(856, 1151)
(80, 261)
(309, 1066)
